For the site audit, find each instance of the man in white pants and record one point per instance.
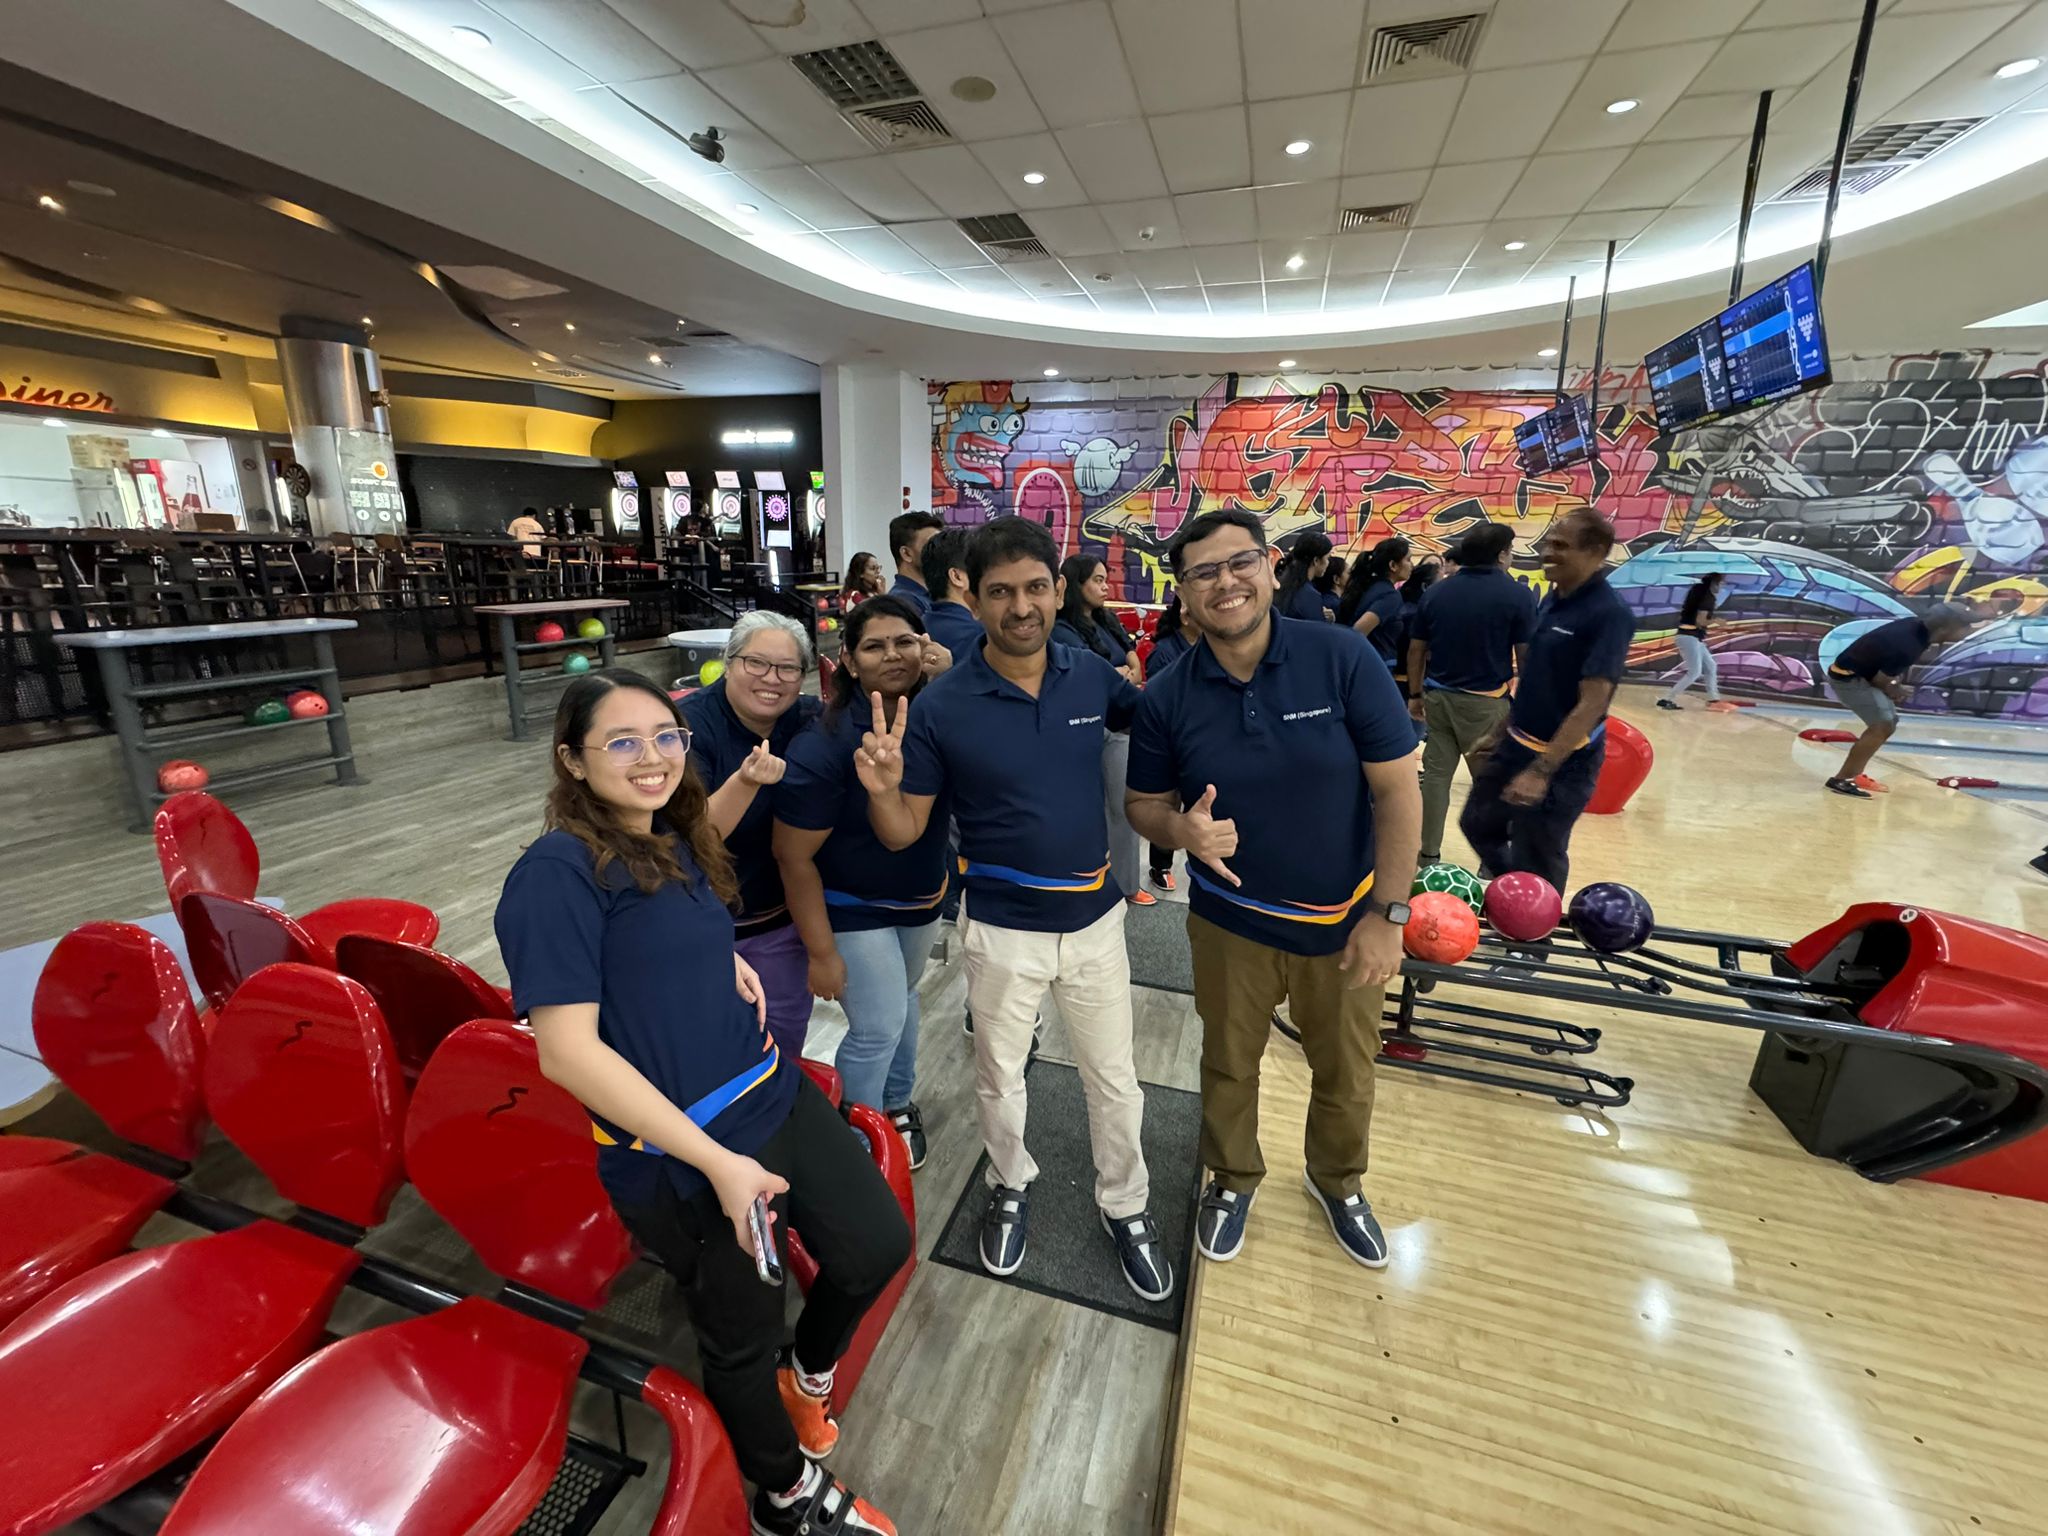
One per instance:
(1015, 732)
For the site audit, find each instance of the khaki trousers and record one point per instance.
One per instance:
(1457, 723)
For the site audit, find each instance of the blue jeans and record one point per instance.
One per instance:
(878, 1057)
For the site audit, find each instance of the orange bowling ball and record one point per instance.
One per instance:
(1441, 927)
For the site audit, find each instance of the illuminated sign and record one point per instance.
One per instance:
(758, 437)
(29, 392)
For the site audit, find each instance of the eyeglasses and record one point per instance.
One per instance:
(624, 750)
(1243, 563)
(761, 666)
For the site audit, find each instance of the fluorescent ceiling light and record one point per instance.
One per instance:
(1626, 104)
(757, 437)
(53, 421)
(1034, 178)
(49, 204)
(1052, 373)
(1296, 262)
(1515, 245)
(1288, 362)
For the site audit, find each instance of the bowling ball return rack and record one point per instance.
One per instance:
(1897, 1040)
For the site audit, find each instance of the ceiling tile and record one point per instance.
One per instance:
(878, 186)
(1908, 51)
(880, 250)
(1683, 229)
(1422, 283)
(1381, 189)
(1306, 208)
(1655, 77)
(939, 56)
(1164, 269)
(1236, 298)
(1655, 174)
(1200, 151)
(1795, 13)
(941, 243)
(1507, 111)
(1400, 127)
(1459, 194)
(1072, 231)
(1710, 117)
(786, 107)
(1275, 254)
(1621, 224)
(811, 25)
(1042, 279)
(1294, 296)
(1969, 87)
(1538, 31)
(1071, 58)
(1774, 60)
(768, 217)
(1011, 160)
(1179, 301)
(1444, 247)
(1108, 280)
(950, 176)
(1362, 292)
(1183, 53)
(805, 193)
(701, 36)
(1301, 47)
(1129, 222)
(1534, 233)
(1216, 218)
(1492, 274)
(1562, 183)
(686, 105)
(591, 36)
(1276, 124)
(1114, 162)
(992, 282)
(1367, 250)
(887, 16)
(1228, 264)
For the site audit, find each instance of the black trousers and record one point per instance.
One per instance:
(1161, 859)
(1536, 838)
(852, 1226)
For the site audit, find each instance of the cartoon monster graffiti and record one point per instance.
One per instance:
(981, 426)
(1098, 463)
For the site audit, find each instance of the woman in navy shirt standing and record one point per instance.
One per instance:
(1372, 597)
(867, 915)
(1298, 597)
(615, 930)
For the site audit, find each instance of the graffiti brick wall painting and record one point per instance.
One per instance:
(1908, 481)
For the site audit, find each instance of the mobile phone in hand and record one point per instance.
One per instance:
(767, 1261)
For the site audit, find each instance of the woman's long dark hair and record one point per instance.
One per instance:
(856, 568)
(1375, 565)
(1307, 550)
(1420, 580)
(1169, 621)
(844, 688)
(647, 857)
(1076, 571)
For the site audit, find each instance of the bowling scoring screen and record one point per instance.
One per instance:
(1689, 378)
(1560, 437)
(1761, 348)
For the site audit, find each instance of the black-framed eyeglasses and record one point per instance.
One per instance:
(622, 750)
(1243, 563)
(761, 666)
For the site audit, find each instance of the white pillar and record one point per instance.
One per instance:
(877, 430)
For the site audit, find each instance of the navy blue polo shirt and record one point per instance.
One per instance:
(1585, 634)
(1384, 599)
(660, 970)
(866, 884)
(954, 627)
(913, 593)
(1472, 621)
(1025, 775)
(1318, 706)
(719, 743)
(1306, 603)
(1108, 644)
(1166, 650)
(1889, 649)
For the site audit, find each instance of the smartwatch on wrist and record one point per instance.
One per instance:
(1395, 912)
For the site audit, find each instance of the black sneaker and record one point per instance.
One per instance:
(1146, 1266)
(2040, 863)
(1352, 1224)
(1850, 788)
(1163, 878)
(1003, 1230)
(1667, 703)
(910, 1126)
(1220, 1221)
(829, 1510)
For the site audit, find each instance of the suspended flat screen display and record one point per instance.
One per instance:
(1561, 437)
(1761, 348)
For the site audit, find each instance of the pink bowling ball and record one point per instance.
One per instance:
(1522, 906)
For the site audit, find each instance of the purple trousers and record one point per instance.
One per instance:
(785, 970)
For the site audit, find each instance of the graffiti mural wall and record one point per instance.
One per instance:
(1909, 481)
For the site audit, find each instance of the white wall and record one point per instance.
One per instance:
(877, 439)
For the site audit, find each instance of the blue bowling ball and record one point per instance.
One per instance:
(1611, 918)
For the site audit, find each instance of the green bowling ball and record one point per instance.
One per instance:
(1450, 879)
(270, 712)
(575, 661)
(591, 629)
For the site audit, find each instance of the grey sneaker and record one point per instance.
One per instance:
(1352, 1224)
(1220, 1221)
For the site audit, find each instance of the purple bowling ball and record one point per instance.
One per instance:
(1611, 918)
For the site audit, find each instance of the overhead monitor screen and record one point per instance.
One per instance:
(1759, 349)
(1689, 378)
(1562, 436)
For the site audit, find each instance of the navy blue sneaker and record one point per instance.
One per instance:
(1351, 1222)
(1003, 1230)
(1220, 1219)
(909, 1125)
(1146, 1266)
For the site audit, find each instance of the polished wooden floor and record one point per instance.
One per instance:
(1669, 1319)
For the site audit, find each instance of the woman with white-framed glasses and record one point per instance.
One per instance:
(742, 725)
(616, 934)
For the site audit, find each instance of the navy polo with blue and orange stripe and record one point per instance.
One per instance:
(1286, 751)
(1472, 621)
(1581, 634)
(1025, 776)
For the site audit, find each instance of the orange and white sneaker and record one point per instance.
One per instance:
(825, 1507)
(1865, 781)
(816, 1430)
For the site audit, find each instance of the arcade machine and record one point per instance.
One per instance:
(822, 598)
(668, 504)
(774, 536)
(814, 509)
(729, 531)
(622, 519)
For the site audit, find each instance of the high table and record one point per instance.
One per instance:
(511, 647)
(127, 694)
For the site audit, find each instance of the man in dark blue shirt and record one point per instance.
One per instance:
(1868, 677)
(1470, 632)
(1266, 715)
(908, 534)
(1537, 779)
(950, 620)
(1015, 732)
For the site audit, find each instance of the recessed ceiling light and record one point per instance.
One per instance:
(747, 207)
(1546, 351)
(469, 37)
(569, 325)
(654, 357)
(2017, 68)
(1515, 245)
(1052, 373)
(1296, 262)
(91, 188)
(513, 323)
(1626, 104)
(1300, 146)
(368, 321)
(49, 204)
(1034, 178)
(1288, 362)
(53, 421)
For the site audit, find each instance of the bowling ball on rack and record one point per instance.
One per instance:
(1522, 906)
(710, 673)
(1611, 918)
(575, 662)
(1441, 927)
(269, 712)
(306, 705)
(591, 629)
(181, 773)
(1449, 878)
(548, 633)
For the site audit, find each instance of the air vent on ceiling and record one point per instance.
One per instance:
(874, 93)
(1878, 154)
(1442, 46)
(1005, 236)
(1379, 215)
(684, 337)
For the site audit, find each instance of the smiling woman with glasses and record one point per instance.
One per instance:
(741, 726)
(620, 948)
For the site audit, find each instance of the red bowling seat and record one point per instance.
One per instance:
(62, 1211)
(423, 993)
(204, 846)
(827, 1079)
(113, 1020)
(230, 938)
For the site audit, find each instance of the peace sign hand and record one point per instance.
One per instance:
(878, 762)
(762, 767)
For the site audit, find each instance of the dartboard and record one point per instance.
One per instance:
(777, 507)
(729, 505)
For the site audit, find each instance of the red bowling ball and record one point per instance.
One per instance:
(1522, 906)
(306, 706)
(180, 773)
(1624, 769)
(1441, 927)
(548, 633)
